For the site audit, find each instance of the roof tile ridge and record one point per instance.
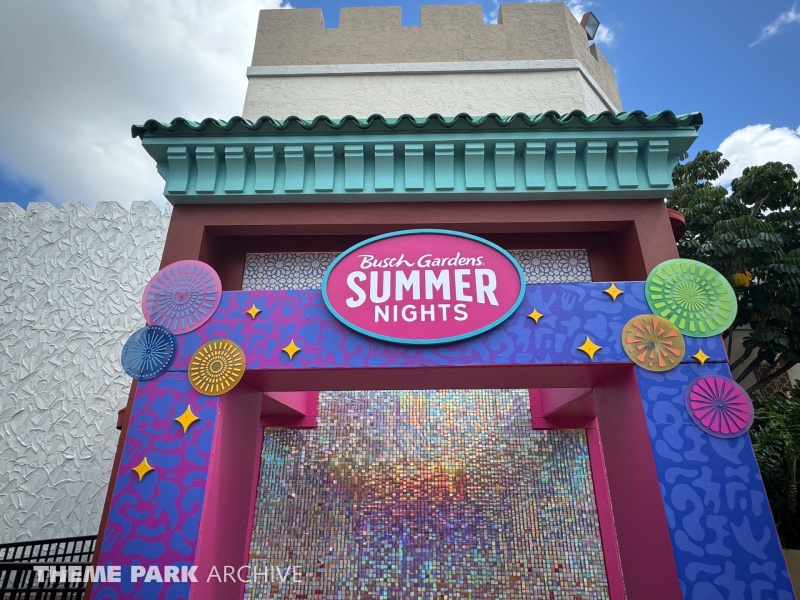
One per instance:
(608, 118)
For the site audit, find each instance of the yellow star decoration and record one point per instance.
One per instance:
(613, 291)
(254, 310)
(701, 356)
(187, 419)
(292, 349)
(589, 347)
(535, 315)
(142, 468)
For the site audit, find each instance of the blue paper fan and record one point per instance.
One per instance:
(148, 353)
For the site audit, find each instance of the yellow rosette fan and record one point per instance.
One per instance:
(216, 367)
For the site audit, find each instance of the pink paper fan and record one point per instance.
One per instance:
(719, 406)
(182, 296)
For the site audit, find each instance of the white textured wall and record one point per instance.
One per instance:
(593, 103)
(70, 292)
(448, 94)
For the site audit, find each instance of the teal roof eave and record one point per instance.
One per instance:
(435, 122)
(156, 145)
(357, 161)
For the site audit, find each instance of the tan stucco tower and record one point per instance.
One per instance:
(536, 58)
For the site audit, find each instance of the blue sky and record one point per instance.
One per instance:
(84, 72)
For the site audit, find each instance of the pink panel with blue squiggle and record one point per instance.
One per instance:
(156, 521)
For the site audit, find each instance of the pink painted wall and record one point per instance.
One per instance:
(295, 410)
(605, 515)
(227, 518)
(645, 549)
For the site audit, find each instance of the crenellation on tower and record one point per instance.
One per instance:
(462, 17)
(536, 58)
(367, 19)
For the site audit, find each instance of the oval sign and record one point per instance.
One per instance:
(423, 286)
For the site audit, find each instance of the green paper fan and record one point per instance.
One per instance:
(692, 296)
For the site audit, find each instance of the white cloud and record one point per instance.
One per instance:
(577, 8)
(790, 16)
(604, 35)
(76, 74)
(490, 18)
(758, 144)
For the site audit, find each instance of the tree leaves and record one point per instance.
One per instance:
(769, 187)
(776, 440)
(752, 236)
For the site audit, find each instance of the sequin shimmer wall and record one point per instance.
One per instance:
(427, 494)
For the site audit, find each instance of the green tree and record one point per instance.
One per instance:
(751, 236)
(776, 441)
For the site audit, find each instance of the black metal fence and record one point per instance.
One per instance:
(66, 558)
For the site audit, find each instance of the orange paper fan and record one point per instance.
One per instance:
(653, 343)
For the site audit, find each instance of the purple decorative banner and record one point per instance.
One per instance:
(571, 312)
(156, 521)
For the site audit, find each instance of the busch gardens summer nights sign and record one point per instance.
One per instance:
(423, 286)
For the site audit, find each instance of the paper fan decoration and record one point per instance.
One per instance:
(719, 406)
(182, 296)
(216, 367)
(653, 343)
(148, 353)
(692, 295)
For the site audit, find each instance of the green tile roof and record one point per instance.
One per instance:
(550, 120)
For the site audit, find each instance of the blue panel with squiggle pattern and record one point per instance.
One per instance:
(723, 536)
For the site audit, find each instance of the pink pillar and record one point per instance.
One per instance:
(645, 548)
(636, 542)
(226, 523)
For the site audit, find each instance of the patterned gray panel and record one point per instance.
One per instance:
(286, 270)
(305, 270)
(554, 266)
